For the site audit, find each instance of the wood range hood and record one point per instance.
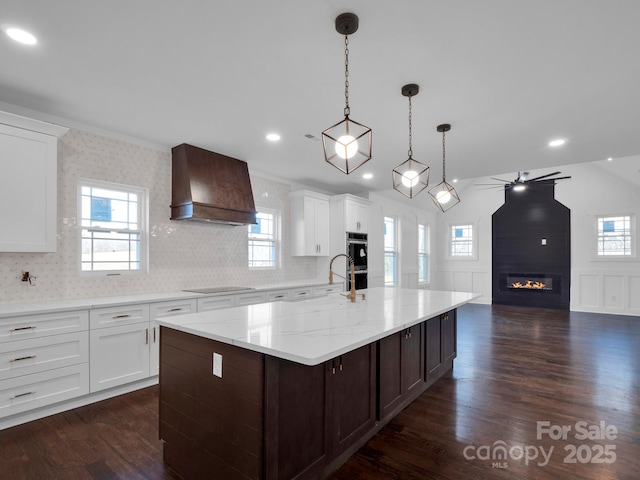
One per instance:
(210, 187)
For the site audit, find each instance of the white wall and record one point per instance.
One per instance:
(607, 286)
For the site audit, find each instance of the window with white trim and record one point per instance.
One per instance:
(423, 258)
(461, 241)
(263, 240)
(114, 235)
(390, 252)
(614, 235)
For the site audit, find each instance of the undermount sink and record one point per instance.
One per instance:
(218, 289)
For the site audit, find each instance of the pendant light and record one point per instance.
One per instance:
(347, 144)
(443, 194)
(411, 176)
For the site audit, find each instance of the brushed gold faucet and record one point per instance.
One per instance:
(352, 295)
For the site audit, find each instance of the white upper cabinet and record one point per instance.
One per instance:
(351, 213)
(28, 184)
(309, 224)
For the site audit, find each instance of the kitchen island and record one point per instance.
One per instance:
(287, 390)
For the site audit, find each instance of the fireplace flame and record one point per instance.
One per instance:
(529, 284)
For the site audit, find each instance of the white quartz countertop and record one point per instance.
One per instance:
(313, 331)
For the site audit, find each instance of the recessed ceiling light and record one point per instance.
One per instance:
(610, 159)
(367, 176)
(557, 143)
(455, 180)
(21, 36)
(273, 137)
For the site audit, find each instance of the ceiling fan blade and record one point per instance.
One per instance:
(500, 180)
(492, 188)
(485, 184)
(559, 178)
(542, 176)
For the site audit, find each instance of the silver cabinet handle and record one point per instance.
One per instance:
(146, 334)
(22, 395)
(116, 317)
(154, 334)
(279, 296)
(22, 358)
(174, 310)
(17, 329)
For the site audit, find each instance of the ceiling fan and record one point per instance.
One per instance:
(520, 182)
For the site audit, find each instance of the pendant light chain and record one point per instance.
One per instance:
(443, 156)
(347, 110)
(410, 129)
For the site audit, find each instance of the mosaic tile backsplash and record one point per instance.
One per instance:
(181, 255)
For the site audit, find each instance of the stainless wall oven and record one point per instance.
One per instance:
(357, 250)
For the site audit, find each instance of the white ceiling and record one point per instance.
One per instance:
(509, 75)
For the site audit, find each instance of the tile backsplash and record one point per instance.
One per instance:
(181, 255)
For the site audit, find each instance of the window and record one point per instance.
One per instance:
(114, 221)
(614, 235)
(462, 241)
(423, 233)
(390, 252)
(263, 240)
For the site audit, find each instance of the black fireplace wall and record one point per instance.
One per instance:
(531, 234)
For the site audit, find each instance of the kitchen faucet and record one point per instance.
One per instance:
(352, 294)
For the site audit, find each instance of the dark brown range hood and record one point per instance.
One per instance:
(210, 187)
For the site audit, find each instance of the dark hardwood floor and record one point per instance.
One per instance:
(515, 367)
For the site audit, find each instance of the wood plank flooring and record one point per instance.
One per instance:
(515, 367)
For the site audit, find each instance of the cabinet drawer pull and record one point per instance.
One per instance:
(279, 296)
(116, 317)
(17, 329)
(302, 293)
(22, 395)
(177, 309)
(22, 358)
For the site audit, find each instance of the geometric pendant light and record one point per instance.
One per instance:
(443, 194)
(347, 144)
(410, 177)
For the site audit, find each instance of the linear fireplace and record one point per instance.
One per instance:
(531, 282)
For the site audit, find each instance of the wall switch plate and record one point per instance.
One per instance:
(217, 365)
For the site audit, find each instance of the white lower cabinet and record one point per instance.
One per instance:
(163, 310)
(216, 302)
(119, 345)
(27, 392)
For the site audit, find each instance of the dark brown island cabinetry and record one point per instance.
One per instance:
(269, 418)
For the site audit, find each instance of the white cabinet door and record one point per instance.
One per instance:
(119, 355)
(28, 185)
(357, 216)
(309, 224)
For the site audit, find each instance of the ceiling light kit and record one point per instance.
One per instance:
(410, 177)
(443, 194)
(347, 144)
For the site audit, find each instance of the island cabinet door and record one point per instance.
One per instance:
(400, 370)
(433, 348)
(351, 380)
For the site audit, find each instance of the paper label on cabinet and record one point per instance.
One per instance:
(217, 365)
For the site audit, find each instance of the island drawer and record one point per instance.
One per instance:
(123, 315)
(42, 325)
(216, 302)
(26, 357)
(301, 293)
(277, 295)
(322, 290)
(26, 392)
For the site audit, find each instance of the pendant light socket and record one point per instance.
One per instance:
(347, 23)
